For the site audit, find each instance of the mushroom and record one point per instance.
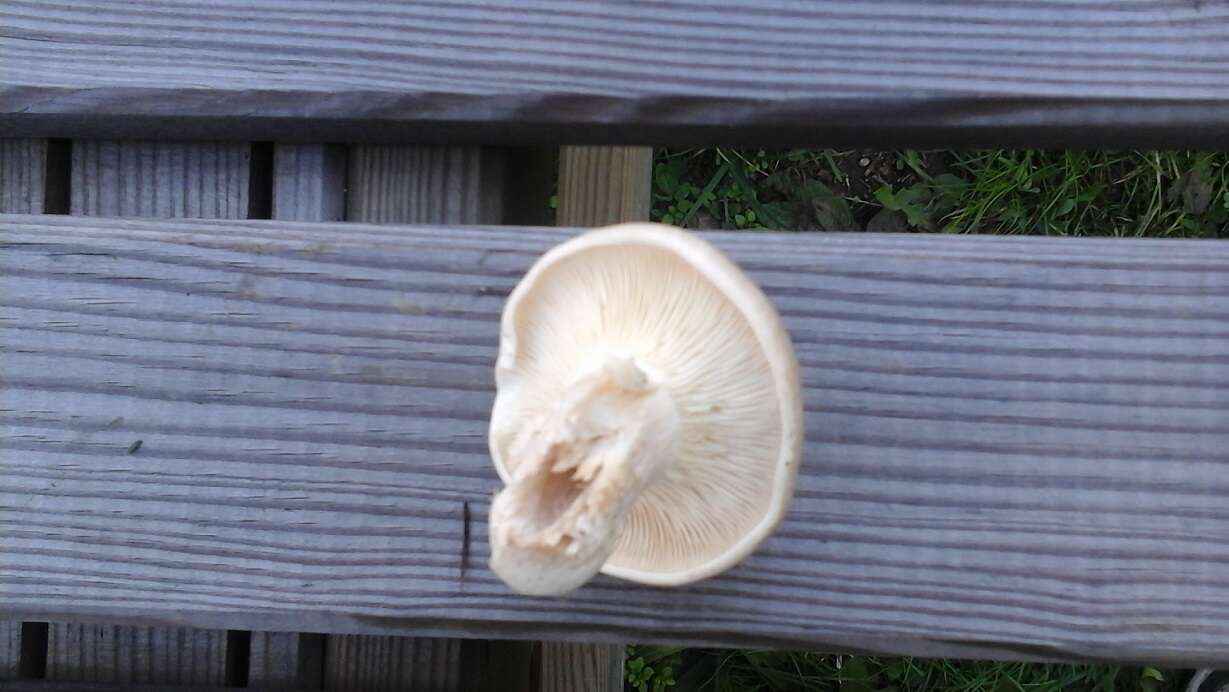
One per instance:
(648, 415)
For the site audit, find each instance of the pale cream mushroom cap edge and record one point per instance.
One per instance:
(648, 418)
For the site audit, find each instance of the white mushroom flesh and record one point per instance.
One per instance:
(638, 424)
(582, 466)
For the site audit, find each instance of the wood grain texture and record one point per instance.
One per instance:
(126, 654)
(604, 185)
(23, 165)
(10, 649)
(1016, 446)
(202, 180)
(374, 663)
(60, 686)
(568, 666)
(153, 179)
(415, 184)
(309, 182)
(835, 72)
(285, 660)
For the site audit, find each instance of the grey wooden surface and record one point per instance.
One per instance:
(10, 649)
(127, 654)
(570, 666)
(359, 663)
(309, 182)
(162, 180)
(916, 73)
(1017, 447)
(60, 686)
(206, 180)
(285, 660)
(23, 165)
(423, 184)
(407, 184)
(604, 185)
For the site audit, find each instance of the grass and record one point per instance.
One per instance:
(672, 669)
(1129, 193)
(1158, 194)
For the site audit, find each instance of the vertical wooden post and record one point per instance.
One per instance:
(198, 180)
(422, 184)
(286, 660)
(10, 649)
(162, 180)
(23, 166)
(127, 654)
(29, 175)
(22, 163)
(598, 186)
(308, 184)
(416, 184)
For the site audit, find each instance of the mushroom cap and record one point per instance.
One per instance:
(700, 328)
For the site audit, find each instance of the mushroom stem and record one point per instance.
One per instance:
(579, 470)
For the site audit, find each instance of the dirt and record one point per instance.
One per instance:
(865, 172)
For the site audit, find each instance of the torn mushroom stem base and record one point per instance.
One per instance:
(580, 469)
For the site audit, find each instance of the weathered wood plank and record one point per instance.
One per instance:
(126, 654)
(10, 649)
(309, 182)
(568, 666)
(157, 179)
(60, 686)
(604, 185)
(412, 184)
(23, 167)
(286, 660)
(1016, 446)
(360, 663)
(200, 180)
(23, 164)
(962, 72)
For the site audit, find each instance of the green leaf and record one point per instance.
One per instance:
(887, 198)
(827, 209)
(912, 202)
(1064, 207)
(666, 176)
(705, 195)
(765, 215)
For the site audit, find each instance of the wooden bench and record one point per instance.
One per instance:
(243, 438)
